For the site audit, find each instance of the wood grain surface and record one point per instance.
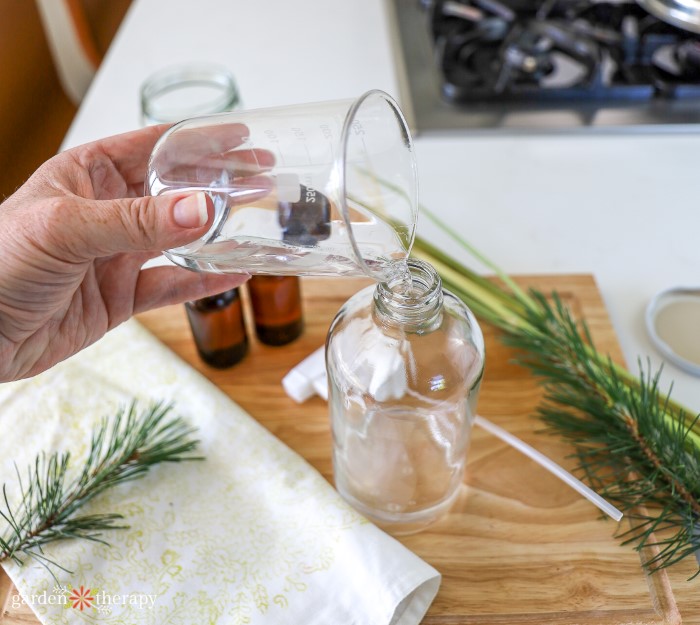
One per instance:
(518, 546)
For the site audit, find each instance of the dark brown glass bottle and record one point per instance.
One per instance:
(276, 302)
(218, 328)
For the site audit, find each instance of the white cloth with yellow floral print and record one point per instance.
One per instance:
(252, 535)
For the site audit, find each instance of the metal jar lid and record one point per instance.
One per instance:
(673, 323)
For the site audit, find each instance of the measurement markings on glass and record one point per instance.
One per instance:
(328, 136)
(301, 136)
(359, 132)
(274, 140)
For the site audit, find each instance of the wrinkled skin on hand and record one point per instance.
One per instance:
(73, 240)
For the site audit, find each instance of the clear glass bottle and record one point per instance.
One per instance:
(218, 328)
(405, 362)
(277, 310)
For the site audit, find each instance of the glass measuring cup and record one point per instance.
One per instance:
(309, 189)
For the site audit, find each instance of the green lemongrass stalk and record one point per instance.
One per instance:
(455, 274)
(482, 298)
(520, 295)
(509, 310)
(635, 445)
(465, 282)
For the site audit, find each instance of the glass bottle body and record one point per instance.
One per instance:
(277, 310)
(404, 374)
(218, 328)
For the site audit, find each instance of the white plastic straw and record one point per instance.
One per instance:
(550, 465)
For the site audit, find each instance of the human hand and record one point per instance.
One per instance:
(73, 240)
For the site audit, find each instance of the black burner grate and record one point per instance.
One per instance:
(565, 50)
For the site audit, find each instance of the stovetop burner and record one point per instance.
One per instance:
(570, 49)
(573, 55)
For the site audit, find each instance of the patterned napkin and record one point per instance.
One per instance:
(252, 535)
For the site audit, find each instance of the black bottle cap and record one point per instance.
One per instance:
(307, 221)
(215, 302)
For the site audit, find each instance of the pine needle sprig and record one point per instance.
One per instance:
(635, 446)
(626, 444)
(50, 501)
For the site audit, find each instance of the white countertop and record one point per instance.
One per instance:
(624, 207)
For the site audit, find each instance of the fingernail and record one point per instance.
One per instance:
(191, 211)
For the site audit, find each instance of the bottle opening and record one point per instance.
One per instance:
(413, 296)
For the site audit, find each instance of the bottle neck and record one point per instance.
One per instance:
(415, 303)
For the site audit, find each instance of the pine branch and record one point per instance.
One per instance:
(120, 451)
(635, 446)
(626, 444)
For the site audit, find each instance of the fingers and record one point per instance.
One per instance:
(214, 139)
(206, 156)
(212, 147)
(128, 151)
(162, 286)
(81, 229)
(249, 190)
(215, 170)
(244, 190)
(232, 168)
(240, 162)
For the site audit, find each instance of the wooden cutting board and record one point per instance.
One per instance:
(518, 546)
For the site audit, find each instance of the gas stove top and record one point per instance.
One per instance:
(552, 65)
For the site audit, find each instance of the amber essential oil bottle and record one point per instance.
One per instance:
(218, 328)
(276, 303)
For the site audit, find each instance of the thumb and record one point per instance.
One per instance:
(142, 224)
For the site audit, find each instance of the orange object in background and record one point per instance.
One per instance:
(218, 328)
(35, 111)
(276, 303)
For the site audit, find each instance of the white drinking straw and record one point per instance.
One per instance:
(550, 465)
(309, 378)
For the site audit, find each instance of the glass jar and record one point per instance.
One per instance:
(184, 91)
(405, 362)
